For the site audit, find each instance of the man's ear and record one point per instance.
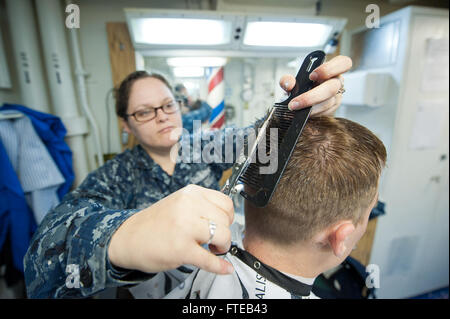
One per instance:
(338, 237)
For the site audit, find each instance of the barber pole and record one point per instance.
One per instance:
(216, 93)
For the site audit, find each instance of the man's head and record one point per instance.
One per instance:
(183, 93)
(327, 191)
(136, 99)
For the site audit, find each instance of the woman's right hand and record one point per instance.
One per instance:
(170, 233)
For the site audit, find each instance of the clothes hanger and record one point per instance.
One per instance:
(8, 116)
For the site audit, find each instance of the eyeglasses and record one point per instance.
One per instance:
(149, 114)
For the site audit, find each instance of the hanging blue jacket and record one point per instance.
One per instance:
(51, 130)
(16, 218)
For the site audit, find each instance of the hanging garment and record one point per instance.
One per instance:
(16, 218)
(39, 177)
(51, 130)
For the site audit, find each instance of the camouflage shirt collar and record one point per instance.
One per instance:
(143, 160)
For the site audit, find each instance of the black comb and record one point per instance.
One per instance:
(290, 125)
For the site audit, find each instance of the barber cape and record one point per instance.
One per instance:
(251, 279)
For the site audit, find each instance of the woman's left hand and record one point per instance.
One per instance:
(324, 98)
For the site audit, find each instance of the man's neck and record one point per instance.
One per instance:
(295, 260)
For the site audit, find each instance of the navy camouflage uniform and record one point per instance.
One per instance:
(203, 113)
(78, 231)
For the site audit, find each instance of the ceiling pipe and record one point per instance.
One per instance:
(24, 37)
(62, 93)
(81, 74)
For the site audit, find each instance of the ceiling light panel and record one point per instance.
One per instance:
(286, 34)
(197, 61)
(188, 72)
(177, 31)
(195, 33)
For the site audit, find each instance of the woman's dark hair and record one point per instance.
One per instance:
(122, 94)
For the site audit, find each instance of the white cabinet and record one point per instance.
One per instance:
(411, 245)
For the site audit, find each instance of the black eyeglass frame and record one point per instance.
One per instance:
(177, 102)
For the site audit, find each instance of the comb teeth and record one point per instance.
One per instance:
(281, 120)
(251, 176)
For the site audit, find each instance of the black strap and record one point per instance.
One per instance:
(290, 284)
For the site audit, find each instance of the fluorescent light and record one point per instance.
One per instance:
(197, 61)
(286, 34)
(191, 86)
(188, 72)
(177, 31)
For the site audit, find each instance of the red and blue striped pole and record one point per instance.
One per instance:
(215, 99)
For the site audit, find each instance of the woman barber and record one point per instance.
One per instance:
(140, 213)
